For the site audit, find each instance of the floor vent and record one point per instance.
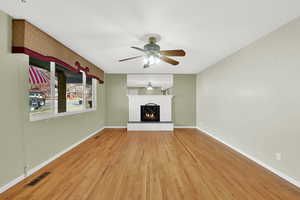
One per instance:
(97, 136)
(38, 179)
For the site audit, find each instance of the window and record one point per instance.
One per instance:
(56, 91)
(39, 88)
(74, 91)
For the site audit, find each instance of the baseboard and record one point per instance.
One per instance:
(115, 126)
(33, 170)
(43, 164)
(126, 127)
(12, 183)
(261, 163)
(185, 127)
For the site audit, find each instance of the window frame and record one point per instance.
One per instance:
(54, 112)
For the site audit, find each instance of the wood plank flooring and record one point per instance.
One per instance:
(186, 165)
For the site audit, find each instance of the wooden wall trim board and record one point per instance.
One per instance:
(38, 167)
(32, 41)
(275, 171)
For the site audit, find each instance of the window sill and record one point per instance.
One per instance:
(51, 116)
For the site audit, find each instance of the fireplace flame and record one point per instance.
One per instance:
(150, 115)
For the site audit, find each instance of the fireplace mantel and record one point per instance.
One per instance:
(165, 103)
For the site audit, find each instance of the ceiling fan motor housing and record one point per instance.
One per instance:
(152, 47)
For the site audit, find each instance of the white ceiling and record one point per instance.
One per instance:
(103, 30)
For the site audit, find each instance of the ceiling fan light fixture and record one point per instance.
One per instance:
(145, 60)
(151, 59)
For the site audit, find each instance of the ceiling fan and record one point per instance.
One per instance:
(154, 55)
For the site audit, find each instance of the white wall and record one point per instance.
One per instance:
(251, 100)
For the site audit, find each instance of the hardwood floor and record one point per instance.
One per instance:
(117, 165)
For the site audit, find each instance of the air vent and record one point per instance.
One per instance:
(97, 136)
(38, 179)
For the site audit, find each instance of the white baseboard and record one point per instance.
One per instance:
(38, 167)
(126, 127)
(12, 183)
(185, 127)
(115, 126)
(261, 163)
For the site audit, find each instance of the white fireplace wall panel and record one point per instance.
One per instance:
(164, 101)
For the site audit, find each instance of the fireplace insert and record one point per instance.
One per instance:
(150, 113)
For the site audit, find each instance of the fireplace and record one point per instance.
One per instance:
(150, 113)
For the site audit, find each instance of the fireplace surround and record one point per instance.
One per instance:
(138, 103)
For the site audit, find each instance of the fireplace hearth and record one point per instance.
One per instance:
(150, 113)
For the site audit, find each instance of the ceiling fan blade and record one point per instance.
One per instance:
(178, 52)
(169, 60)
(139, 49)
(130, 58)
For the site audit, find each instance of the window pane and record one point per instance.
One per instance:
(74, 91)
(89, 93)
(39, 88)
(56, 93)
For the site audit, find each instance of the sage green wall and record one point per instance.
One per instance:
(184, 101)
(250, 100)
(116, 100)
(31, 143)
(45, 138)
(11, 117)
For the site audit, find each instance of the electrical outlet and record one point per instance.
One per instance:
(278, 156)
(26, 170)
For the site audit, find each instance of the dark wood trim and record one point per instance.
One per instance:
(62, 92)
